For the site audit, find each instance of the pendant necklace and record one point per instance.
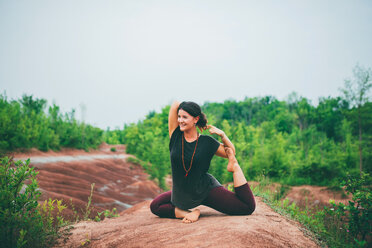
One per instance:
(183, 162)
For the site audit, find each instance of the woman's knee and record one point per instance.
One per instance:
(154, 206)
(248, 209)
(251, 206)
(161, 199)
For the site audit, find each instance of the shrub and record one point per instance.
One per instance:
(51, 211)
(355, 219)
(22, 222)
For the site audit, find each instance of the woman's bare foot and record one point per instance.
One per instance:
(233, 166)
(233, 163)
(192, 216)
(180, 213)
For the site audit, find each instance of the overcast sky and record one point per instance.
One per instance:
(122, 59)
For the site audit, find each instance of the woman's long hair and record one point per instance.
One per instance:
(194, 110)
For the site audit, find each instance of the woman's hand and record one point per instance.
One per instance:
(215, 130)
(225, 140)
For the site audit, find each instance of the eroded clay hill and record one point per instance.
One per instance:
(138, 227)
(69, 174)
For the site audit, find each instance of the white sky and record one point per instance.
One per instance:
(122, 59)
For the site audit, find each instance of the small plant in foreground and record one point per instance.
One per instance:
(98, 216)
(23, 224)
(107, 214)
(51, 212)
(354, 220)
(110, 214)
(88, 208)
(76, 215)
(86, 241)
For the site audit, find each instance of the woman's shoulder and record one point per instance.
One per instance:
(207, 137)
(210, 143)
(176, 132)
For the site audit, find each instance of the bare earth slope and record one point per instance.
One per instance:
(138, 227)
(69, 174)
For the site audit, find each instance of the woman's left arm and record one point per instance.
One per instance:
(225, 140)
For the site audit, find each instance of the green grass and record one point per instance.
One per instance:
(328, 226)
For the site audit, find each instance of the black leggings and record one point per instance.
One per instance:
(239, 203)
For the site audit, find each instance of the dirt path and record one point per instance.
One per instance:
(138, 227)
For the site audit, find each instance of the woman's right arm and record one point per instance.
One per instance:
(173, 117)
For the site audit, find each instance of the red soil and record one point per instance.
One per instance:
(138, 227)
(118, 184)
(315, 196)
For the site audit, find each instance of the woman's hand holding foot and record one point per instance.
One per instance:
(233, 166)
(232, 160)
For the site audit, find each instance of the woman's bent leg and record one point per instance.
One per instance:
(240, 203)
(162, 206)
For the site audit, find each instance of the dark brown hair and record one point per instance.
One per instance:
(194, 110)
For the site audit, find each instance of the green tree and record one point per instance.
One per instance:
(32, 105)
(329, 115)
(302, 108)
(356, 93)
(24, 125)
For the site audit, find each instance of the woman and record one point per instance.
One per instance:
(191, 155)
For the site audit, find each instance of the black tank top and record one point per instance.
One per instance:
(188, 192)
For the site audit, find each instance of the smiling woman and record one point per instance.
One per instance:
(191, 154)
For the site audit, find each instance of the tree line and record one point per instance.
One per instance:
(291, 141)
(25, 124)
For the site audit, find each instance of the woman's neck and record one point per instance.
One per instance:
(190, 135)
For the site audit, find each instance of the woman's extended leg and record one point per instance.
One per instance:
(240, 203)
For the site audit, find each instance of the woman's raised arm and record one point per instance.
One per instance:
(173, 117)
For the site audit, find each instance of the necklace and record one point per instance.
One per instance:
(183, 162)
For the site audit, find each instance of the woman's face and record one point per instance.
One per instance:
(186, 121)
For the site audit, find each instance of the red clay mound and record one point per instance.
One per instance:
(117, 183)
(315, 196)
(138, 227)
(68, 175)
